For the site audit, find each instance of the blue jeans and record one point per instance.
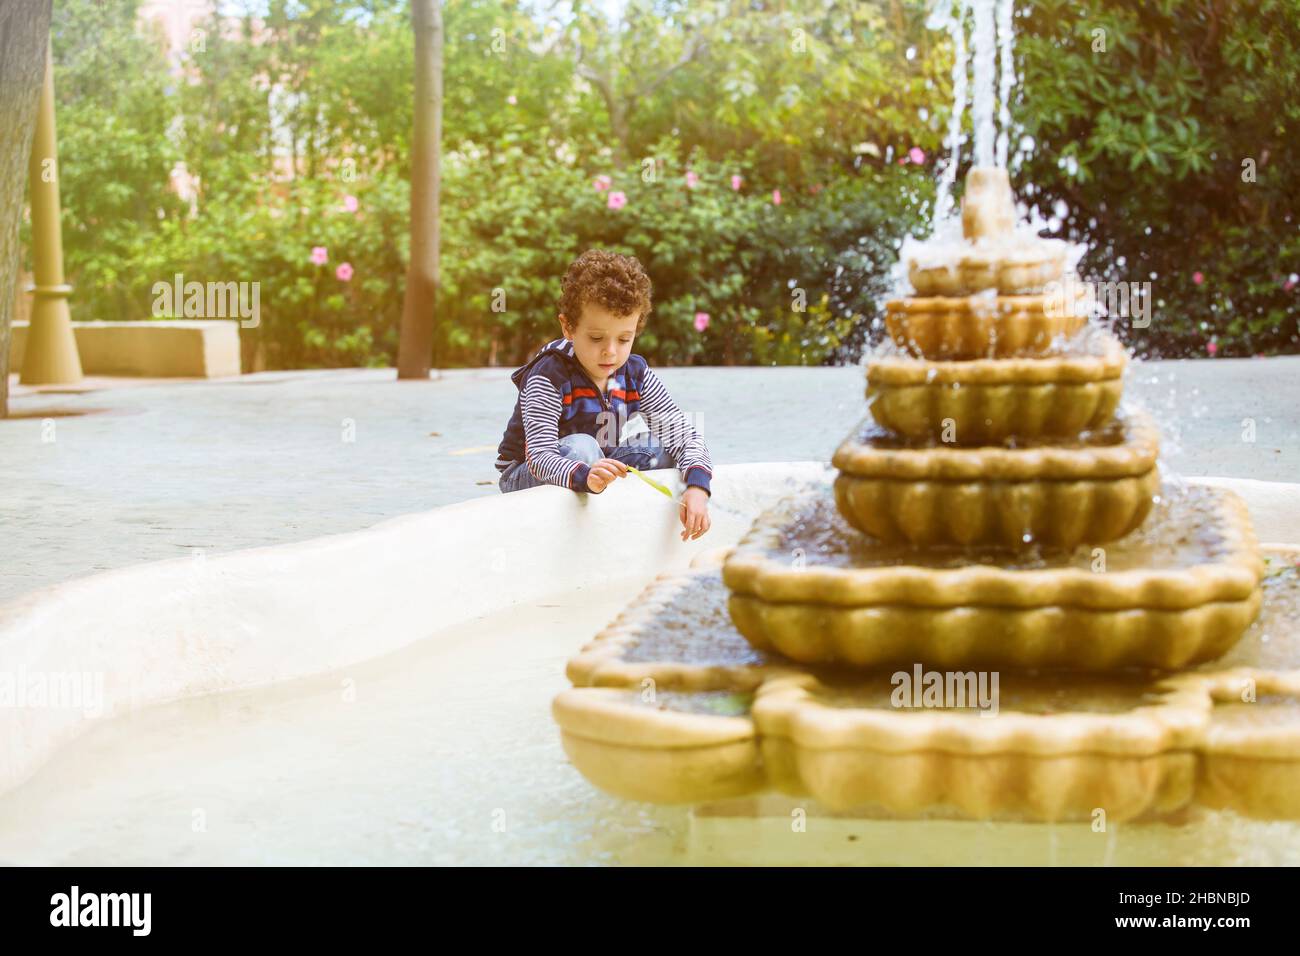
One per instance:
(643, 452)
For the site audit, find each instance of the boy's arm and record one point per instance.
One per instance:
(669, 425)
(540, 405)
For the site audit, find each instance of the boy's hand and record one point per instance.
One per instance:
(695, 513)
(603, 472)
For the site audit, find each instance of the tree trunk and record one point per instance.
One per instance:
(415, 347)
(24, 33)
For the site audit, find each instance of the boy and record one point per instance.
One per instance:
(579, 393)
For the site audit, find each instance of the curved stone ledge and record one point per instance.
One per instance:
(182, 628)
(1095, 488)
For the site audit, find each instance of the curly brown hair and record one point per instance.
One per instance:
(608, 279)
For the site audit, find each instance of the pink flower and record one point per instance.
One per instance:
(776, 197)
(344, 272)
(617, 200)
(692, 180)
(350, 204)
(512, 99)
(319, 256)
(1212, 347)
(602, 183)
(701, 321)
(916, 155)
(1288, 285)
(1198, 277)
(735, 183)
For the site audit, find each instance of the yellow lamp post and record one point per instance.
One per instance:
(50, 356)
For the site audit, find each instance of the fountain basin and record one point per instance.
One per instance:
(987, 401)
(1251, 753)
(1181, 590)
(993, 255)
(983, 326)
(1054, 493)
(1044, 746)
(1127, 748)
(661, 746)
(1010, 268)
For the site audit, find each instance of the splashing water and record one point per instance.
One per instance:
(994, 49)
(1007, 74)
(982, 104)
(942, 18)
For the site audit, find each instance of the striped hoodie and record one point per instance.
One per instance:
(558, 398)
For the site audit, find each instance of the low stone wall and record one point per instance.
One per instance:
(167, 348)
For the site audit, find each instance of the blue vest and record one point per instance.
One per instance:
(583, 407)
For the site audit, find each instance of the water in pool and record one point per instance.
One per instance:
(444, 753)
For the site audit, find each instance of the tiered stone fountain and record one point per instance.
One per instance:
(996, 611)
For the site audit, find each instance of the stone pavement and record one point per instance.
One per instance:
(115, 476)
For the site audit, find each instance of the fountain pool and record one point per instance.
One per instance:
(429, 740)
(440, 753)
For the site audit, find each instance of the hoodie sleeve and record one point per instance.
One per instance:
(540, 404)
(669, 425)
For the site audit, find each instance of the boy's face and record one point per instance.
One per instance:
(602, 341)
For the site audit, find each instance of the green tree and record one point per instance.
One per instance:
(1166, 129)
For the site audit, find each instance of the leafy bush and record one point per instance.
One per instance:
(1168, 129)
(780, 281)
